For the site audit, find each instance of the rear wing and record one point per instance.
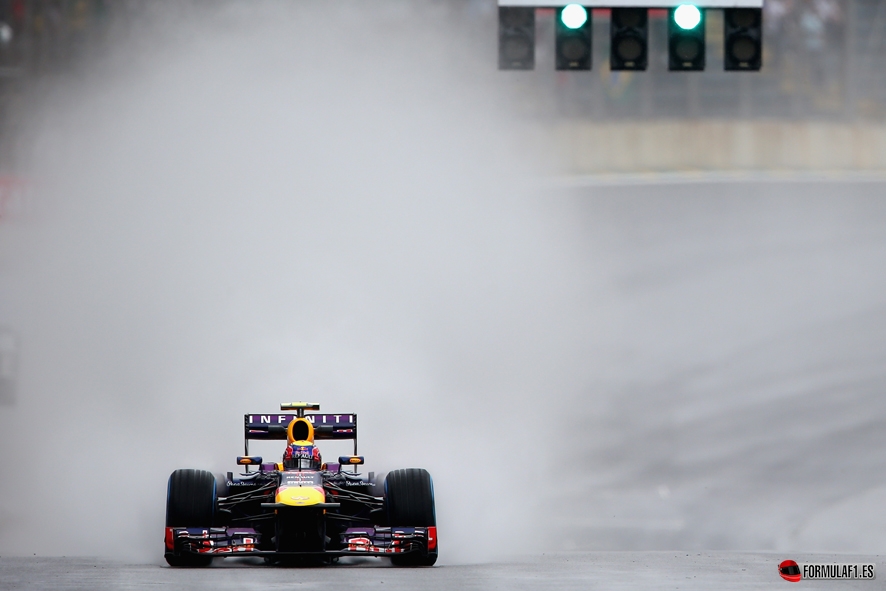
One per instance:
(326, 426)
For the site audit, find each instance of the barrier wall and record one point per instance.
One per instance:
(657, 145)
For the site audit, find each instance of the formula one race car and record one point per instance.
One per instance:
(301, 510)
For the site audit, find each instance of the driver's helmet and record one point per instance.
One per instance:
(302, 457)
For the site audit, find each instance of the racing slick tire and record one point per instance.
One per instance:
(409, 501)
(191, 501)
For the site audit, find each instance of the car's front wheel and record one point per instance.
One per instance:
(409, 501)
(191, 501)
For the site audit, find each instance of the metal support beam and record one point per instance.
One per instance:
(637, 3)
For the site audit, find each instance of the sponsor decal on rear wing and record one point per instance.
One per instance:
(326, 426)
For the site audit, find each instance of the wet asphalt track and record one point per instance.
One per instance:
(741, 402)
(566, 572)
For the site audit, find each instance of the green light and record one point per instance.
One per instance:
(687, 16)
(574, 16)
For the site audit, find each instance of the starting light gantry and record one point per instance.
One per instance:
(629, 33)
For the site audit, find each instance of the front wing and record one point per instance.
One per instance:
(355, 541)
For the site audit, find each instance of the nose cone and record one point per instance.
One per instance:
(300, 496)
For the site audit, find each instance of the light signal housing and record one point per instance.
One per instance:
(629, 39)
(573, 38)
(516, 38)
(686, 44)
(743, 37)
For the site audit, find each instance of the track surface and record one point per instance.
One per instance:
(602, 570)
(740, 402)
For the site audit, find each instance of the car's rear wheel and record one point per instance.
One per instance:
(409, 501)
(191, 501)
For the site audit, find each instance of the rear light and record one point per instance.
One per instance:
(432, 538)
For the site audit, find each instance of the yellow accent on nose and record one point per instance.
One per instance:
(300, 496)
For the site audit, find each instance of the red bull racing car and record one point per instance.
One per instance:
(300, 510)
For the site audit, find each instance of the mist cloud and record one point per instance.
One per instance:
(255, 206)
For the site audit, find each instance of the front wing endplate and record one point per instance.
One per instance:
(355, 541)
